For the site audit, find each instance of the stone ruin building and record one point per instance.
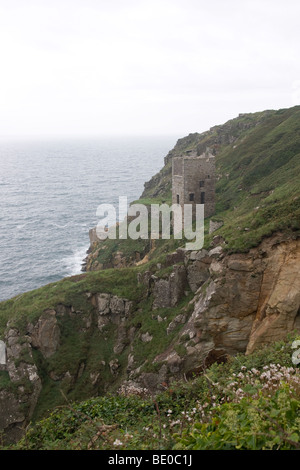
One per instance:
(194, 179)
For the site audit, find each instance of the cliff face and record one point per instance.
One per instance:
(241, 302)
(278, 308)
(146, 313)
(257, 183)
(208, 306)
(246, 301)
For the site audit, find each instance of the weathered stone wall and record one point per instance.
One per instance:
(177, 167)
(194, 175)
(177, 181)
(177, 190)
(196, 170)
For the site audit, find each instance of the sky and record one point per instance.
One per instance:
(89, 68)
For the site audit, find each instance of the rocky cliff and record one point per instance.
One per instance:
(145, 313)
(207, 306)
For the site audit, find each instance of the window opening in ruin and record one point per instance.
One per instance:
(202, 198)
(192, 197)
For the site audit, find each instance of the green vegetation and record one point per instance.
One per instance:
(145, 353)
(257, 189)
(258, 166)
(27, 307)
(86, 352)
(249, 403)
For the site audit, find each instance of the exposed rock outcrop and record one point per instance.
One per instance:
(278, 310)
(19, 400)
(208, 304)
(246, 301)
(45, 334)
(167, 292)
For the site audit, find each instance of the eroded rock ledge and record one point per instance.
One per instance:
(239, 302)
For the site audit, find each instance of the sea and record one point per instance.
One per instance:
(49, 195)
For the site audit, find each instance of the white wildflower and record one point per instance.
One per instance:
(118, 442)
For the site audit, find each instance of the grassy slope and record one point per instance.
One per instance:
(258, 167)
(261, 190)
(27, 307)
(249, 403)
(258, 186)
(92, 347)
(258, 162)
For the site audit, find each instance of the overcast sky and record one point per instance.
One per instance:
(99, 67)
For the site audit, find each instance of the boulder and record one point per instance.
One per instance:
(168, 292)
(197, 274)
(45, 334)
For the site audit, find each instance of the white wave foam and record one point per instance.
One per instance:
(73, 263)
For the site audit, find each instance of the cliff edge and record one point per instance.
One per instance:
(146, 314)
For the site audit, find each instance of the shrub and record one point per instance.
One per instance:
(262, 423)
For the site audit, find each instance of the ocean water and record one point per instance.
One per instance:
(49, 194)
